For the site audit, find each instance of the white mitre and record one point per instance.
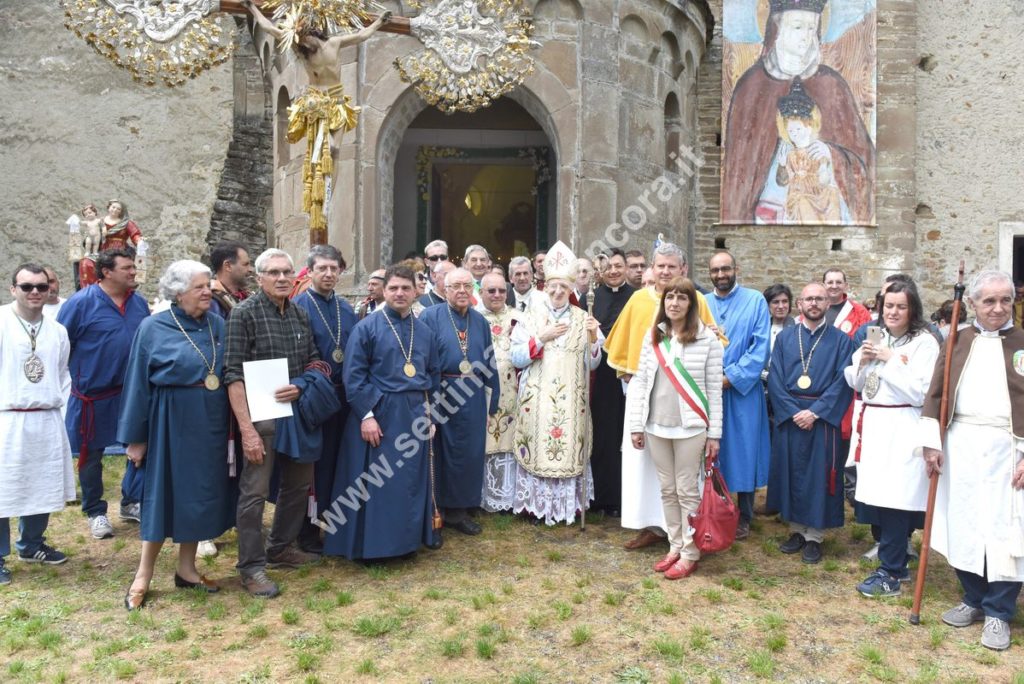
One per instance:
(560, 263)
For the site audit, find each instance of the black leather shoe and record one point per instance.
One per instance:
(209, 586)
(437, 543)
(812, 552)
(795, 542)
(466, 526)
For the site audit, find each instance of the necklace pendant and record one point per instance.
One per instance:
(409, 369)
(465, 366)
(33, 368)
(804, 381)
(212, 382)
(462, 334)
(337, 355)
(871, 385)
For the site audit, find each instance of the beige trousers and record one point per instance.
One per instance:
(679, 462)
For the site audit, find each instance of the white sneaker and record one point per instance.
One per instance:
(132, 512)
(871, 554)
(206, 549)
(100, 527)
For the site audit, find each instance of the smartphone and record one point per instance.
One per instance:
(874, 335)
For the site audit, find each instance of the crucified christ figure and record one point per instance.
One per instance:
(321, 110)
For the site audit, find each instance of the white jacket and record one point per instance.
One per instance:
(702, 359)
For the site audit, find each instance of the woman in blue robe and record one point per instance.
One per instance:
(382, 502)
(174, 415)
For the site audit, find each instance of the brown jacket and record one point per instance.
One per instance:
(1013, 342)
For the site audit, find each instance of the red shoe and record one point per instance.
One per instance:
(667, 562)
(681, 569)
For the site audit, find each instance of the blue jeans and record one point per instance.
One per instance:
(30, 533)
(895, 529)
(90, 476)
(997, 599)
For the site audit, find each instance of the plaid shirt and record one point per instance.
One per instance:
(257, 331)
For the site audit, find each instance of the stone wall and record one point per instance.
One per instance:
(243, 211)
(76, 129)
(796, 255)
(970, 103)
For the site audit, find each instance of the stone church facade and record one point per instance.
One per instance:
(618, 85)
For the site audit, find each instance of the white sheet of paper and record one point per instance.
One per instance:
(262, 379)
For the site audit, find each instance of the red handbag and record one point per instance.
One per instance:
(715, 520)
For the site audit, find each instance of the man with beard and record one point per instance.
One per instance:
(792, 50)
(463, 340)
(742, 315)
(809, 395)
(610, 406)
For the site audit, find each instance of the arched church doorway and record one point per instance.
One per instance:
(482, 178)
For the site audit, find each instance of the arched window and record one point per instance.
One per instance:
(673, 129)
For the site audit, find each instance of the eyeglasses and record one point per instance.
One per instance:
(437, 257)
(38, 287)
(496, 290)
(275, 274)
(721, 269)
(459, 286)
(814, 300)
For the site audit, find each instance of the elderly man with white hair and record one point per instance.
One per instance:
(438, 271)
(979, 508)
(175, 420)
(499, 469)
(268, 325)
(556, 346)
(463, 340)
(523, 295)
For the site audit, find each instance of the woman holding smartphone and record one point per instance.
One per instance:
(892, 371)
(674, 403)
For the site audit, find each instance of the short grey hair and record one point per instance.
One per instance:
(178, 276)
(476, 248)
(519, 261)
(443, 266)
(454, 272)
(988, 277)
(436, 243)
(329, 252)
(272, 253)
(670, 250)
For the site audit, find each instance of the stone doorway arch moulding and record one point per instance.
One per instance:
(407, 106)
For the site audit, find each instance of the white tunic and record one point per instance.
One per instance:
(891, 472)
(979, 516)
(36, 471)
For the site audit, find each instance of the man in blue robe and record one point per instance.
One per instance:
(101, 321)
(743, 315)
(467, 367)
(391, 369)
(332, 320)
(809, 396)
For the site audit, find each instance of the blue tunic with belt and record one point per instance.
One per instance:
(381, 503)
(324, 314)
(461, 440)
(101, 336)
(745, 447)
(806, 480)
(188, 493)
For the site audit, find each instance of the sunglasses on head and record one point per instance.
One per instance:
(438, 257)
(38, 287)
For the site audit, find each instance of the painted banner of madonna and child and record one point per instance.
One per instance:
(798, 102)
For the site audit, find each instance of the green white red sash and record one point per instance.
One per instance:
(683, 382)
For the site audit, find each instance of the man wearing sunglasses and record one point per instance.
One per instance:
(101, 320)
(434, 254)
(36, 476)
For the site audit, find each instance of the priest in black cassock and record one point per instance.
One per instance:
(383, 501)
(467, 362)
(809, 395)
(608, 401)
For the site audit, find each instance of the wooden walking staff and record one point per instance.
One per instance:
(933, 483)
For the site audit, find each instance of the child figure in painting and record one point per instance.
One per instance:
(804, 163)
